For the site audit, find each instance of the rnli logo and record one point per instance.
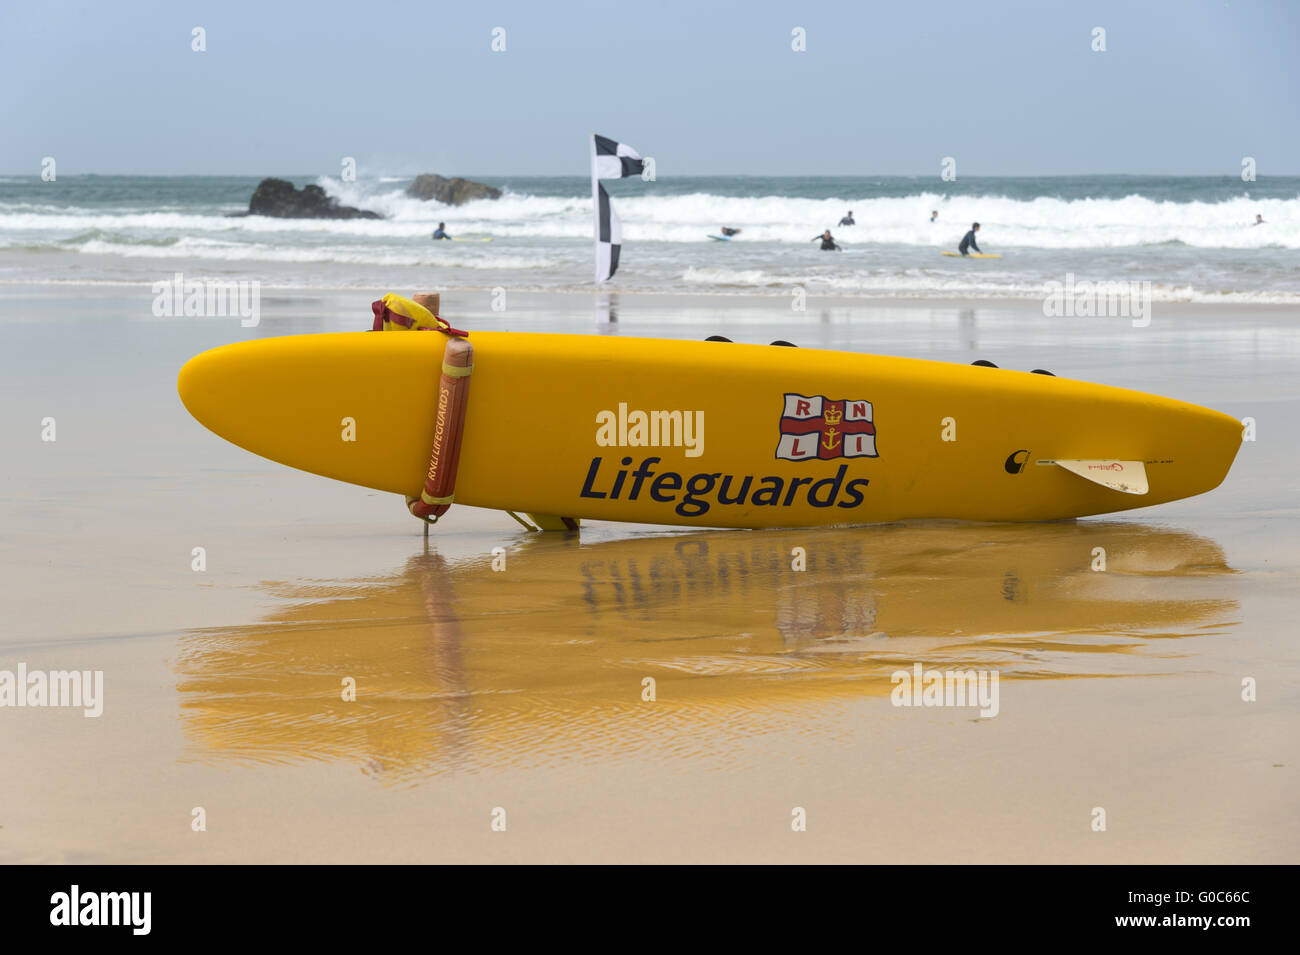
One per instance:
(817, 428)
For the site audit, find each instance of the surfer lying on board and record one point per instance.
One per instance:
(848, 219)
(729, 231)
(828, 243)
(441, 231)
(968, 240)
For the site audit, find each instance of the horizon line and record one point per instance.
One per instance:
(697, 175)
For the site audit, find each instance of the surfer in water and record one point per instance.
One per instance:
(934, 215)
(848, 219)
(968, 240)
(441, 231)
(828, 243)
(1259, 219)
(728, 231)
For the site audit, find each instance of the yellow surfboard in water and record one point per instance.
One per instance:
(973, 255)
(710, 433)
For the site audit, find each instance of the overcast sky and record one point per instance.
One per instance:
(1007, 88)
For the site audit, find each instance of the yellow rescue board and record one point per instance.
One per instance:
(973, 255)
(708, 433)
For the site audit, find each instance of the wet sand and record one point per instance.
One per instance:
(522, 688)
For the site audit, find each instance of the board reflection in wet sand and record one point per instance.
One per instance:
(541, 651)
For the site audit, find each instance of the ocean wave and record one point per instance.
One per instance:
(1042, 223)
(118, 238)
(915, 285)
(431, 256)
(750, 278)
(1200, 251)
(1010, 223)
(949, 292)
(1038, 223)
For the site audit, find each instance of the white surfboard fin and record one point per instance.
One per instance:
(1129, 477)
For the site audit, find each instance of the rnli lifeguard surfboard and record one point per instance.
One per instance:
(709, 433)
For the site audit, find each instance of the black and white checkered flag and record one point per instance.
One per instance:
(614, 160)
(609, 160)
(609, 236)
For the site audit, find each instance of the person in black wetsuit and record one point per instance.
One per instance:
(441, 231)
(729, 231)
(1259, 220)
(828, 243)
(968, 240)
(848, 219)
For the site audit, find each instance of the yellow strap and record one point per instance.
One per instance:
(436, 500)
(408, 308)
(455, 371)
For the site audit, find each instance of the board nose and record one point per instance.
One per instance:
(200, 384)
(224, 388)
(341, 405)
(241, 391)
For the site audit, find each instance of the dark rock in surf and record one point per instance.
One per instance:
(279, 198)
(451, 192)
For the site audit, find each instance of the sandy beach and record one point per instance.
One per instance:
(521, 689)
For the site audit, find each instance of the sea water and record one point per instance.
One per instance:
(1192, 238)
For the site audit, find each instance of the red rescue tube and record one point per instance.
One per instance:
(449, 419)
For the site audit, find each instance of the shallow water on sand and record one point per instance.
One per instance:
(464, 667)
(523, 688)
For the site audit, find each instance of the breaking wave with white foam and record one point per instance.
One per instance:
(1194, 241)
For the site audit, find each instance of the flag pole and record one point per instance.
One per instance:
(595, 209)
